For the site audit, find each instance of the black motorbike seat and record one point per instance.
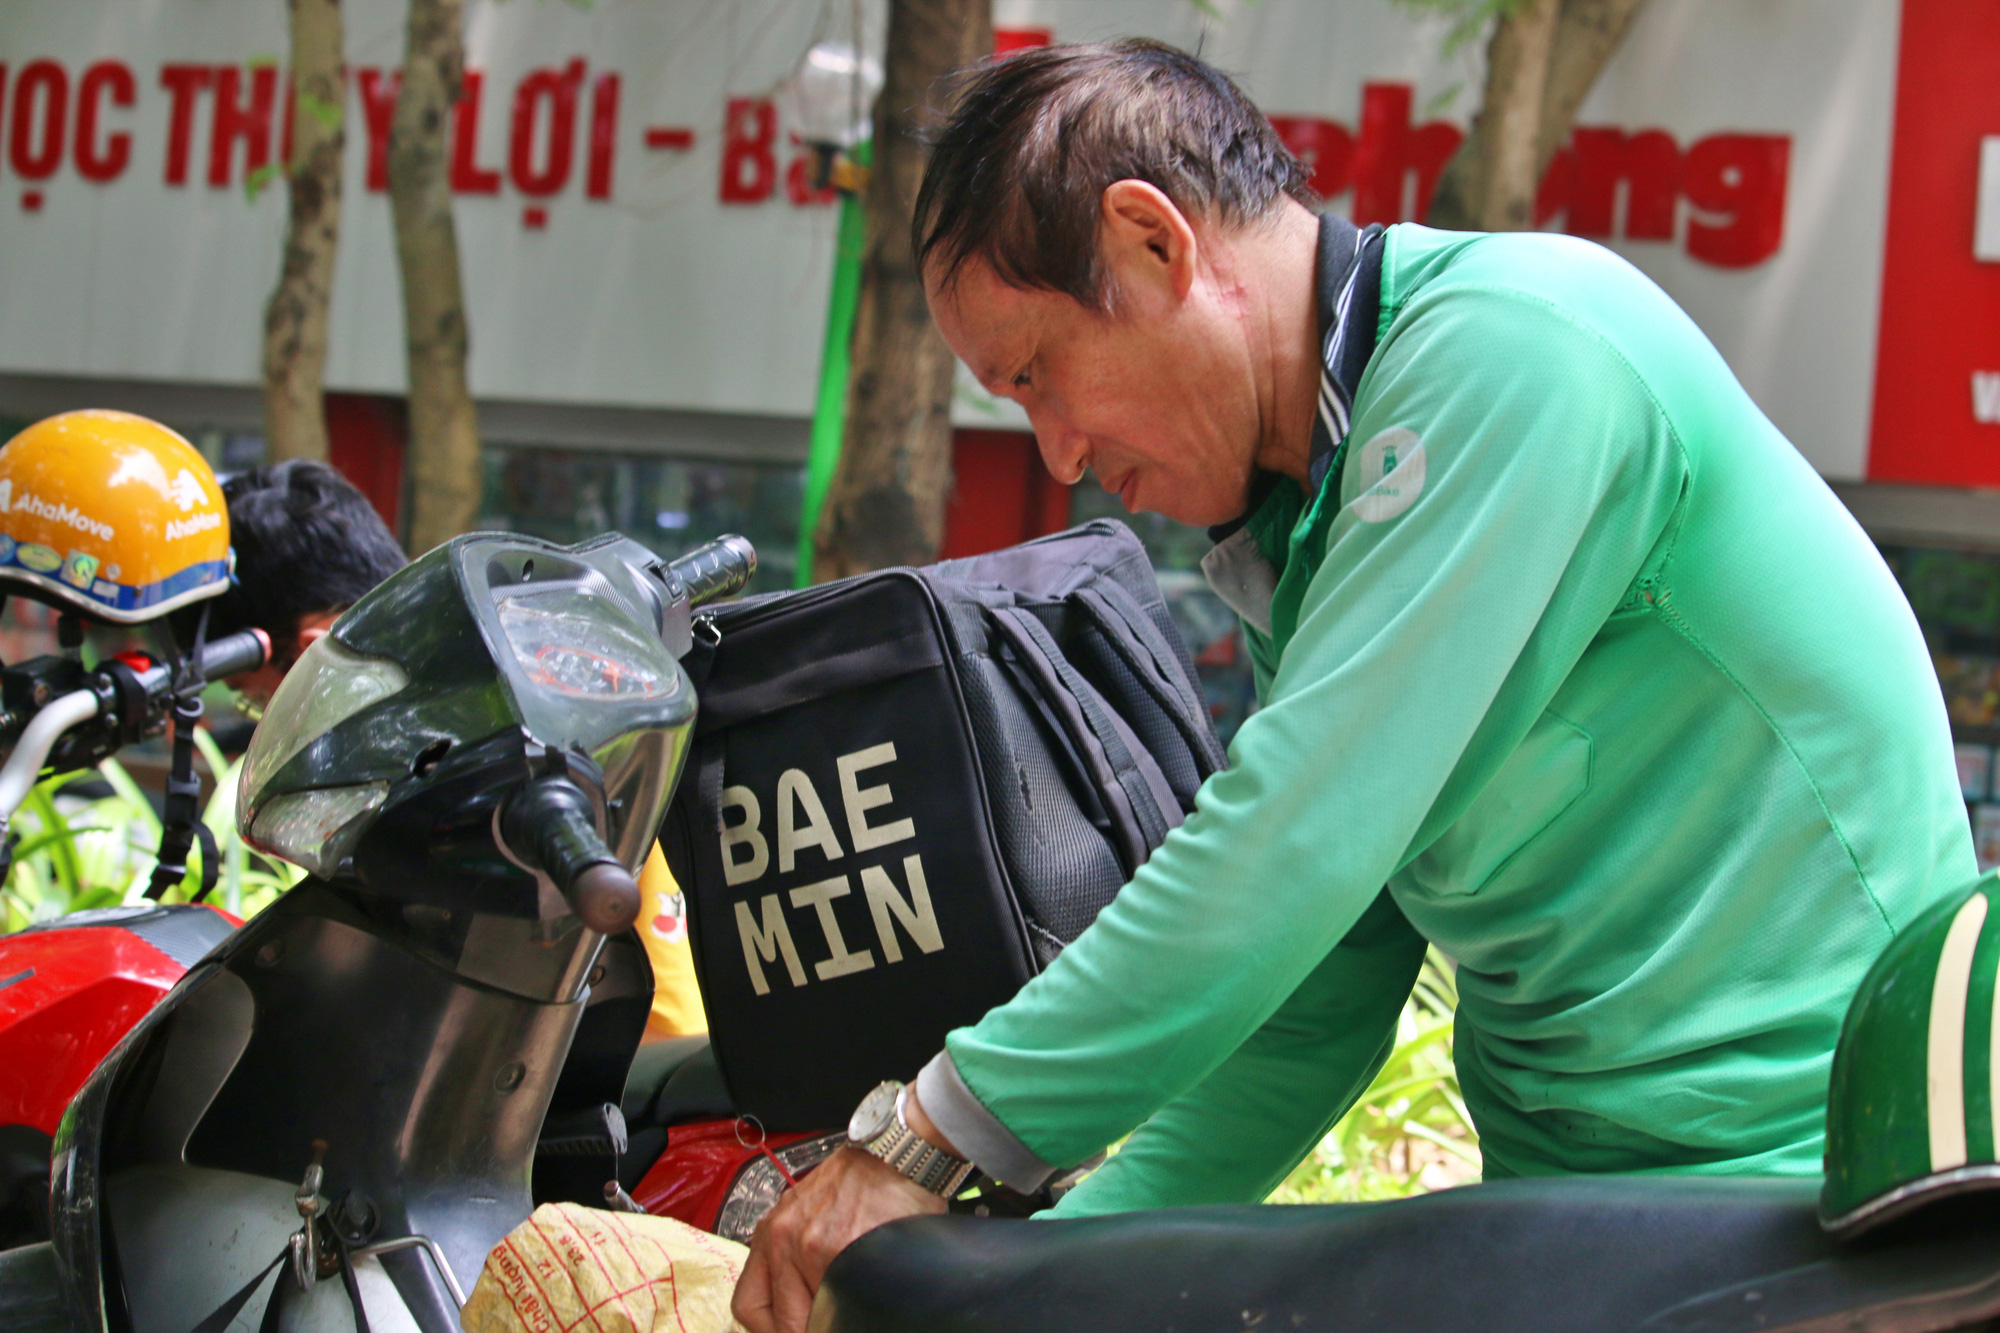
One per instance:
(1568, 1255)
(671, 1082)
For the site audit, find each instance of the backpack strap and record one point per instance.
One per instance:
(707, 763)
(1140, 802)
(1133, 636)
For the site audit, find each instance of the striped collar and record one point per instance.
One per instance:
(1348, 275)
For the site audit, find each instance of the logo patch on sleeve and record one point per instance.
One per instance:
(1392, 475)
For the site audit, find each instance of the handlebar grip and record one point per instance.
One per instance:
(606, 896)
(550, 825)
(234, 654)
(720, 568)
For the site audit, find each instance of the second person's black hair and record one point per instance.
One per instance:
(306, 541)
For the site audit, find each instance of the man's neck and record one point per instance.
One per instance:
(1277, 262)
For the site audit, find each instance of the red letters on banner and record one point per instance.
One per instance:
(1740, 177)
(467, 176)
(1379, 165)
(1006, 41)
(1390, 150)
(750, 156)
(749, 152)
(183, 83)
(378, 113)
(40, 117)
(558, 89)
(1606, 182)
(603, 135)
(106, 160)
(1649, 165)
(237, 118)
(1735, 183)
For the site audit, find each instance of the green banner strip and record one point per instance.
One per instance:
(830, 412)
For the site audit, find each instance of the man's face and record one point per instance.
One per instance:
(1157, 398)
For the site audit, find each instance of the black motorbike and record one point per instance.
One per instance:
(338, 1110)
(344, 1106)
(1575, 1254)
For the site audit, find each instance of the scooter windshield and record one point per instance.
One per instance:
(445, 681)
(330, 684)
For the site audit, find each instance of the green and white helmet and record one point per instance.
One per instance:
(1910, 1116)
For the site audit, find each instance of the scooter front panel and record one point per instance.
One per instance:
(323, 1025)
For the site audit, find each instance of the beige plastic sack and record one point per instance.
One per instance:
(569, 1267)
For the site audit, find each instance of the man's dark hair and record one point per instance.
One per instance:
(306, 541)
(1030, 142)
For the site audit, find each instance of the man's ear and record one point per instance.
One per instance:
(313, 628)
(1145, 239)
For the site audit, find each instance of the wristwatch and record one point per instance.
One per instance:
(879, 1127)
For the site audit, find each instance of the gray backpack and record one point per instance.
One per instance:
(909, 790)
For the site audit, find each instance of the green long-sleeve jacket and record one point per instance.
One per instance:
(1578, 657)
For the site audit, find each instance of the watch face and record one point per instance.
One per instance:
(876, 1114)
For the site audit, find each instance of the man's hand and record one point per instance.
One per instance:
(851, 1193)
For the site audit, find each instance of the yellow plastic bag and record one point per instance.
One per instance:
(569, 1267)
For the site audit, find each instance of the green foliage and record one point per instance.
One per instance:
(78, 853)
(1410, 1131)
(254, 183)
(328, 114)
(1468, 18)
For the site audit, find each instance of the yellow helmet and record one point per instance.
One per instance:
(110, 515)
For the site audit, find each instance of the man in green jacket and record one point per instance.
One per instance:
(1557, 638)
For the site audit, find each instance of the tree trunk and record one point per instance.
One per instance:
(1585, 35)
(1517, 69)
(295, 319)
(887, 502)
(444, 437)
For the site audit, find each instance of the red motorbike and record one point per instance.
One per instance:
(72, 987)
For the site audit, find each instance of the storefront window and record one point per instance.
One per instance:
(1956, 595)
(229, 452)
(671, 504)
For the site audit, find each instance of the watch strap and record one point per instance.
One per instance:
(914, 1157)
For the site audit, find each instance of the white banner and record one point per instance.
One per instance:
(620, 278)
(636, 225)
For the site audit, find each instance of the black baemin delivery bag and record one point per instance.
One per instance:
(909, 790)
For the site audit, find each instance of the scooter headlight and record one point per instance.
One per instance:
(569, 645)
(316, 829)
